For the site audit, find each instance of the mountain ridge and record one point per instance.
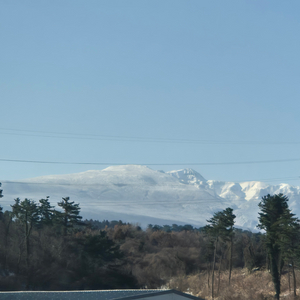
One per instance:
(136, 193)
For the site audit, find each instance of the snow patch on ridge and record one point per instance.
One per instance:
(227, 190)
(188, 176)
(142, 193)
(254, 189)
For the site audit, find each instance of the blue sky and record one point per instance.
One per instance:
(221, 75)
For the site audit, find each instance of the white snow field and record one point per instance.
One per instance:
(138, 194)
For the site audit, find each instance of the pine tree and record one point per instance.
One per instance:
(275, 217)
(46, 212)
(220, 226)
(289, 237)
(27, 214)
(70, 215)
(230, 221)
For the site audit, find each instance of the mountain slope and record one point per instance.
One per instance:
(136, 193)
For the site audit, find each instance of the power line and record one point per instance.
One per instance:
(152, 164)
(178, 185)
(86, 136)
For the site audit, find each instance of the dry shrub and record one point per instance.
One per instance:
(255, 286)
(194, 284)
(247, 286)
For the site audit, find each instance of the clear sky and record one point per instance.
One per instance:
(150, 82)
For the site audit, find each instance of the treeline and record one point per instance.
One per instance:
(43, 248)
(96, 224)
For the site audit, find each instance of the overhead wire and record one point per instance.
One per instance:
(88, 136)
(71, 135)
(141, 139)
(121, 184)
(151, 164)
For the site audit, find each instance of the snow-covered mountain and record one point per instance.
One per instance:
(138, 194)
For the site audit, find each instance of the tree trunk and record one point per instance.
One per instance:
(219, 271)
(21, 249)
(208, 275)
(294, 279)
(274, 255)
(289, 277)
(230, 258)
(65, 224)
(29, 228)
(26, 242)
(213, 269)
(6, 245)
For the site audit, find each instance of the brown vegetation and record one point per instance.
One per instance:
(244, 285)
(113, 255)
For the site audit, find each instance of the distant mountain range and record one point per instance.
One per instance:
(138, 194)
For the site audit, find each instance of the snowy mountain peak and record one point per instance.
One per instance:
(188, 176)
(127, 169)
(135, 193)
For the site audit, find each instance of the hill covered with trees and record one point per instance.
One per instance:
(44, 248)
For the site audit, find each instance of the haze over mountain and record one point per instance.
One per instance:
(134, 193)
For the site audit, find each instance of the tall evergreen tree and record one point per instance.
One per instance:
(275, 217)
(220, 226)
(70, 215)
(289, 241)
(27, 214)
(46, 212)
(230, 221)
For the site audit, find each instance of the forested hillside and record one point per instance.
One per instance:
(43, 248)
